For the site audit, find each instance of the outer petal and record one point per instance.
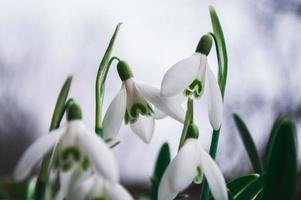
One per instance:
(100, 155)
(114, 115)
(158, 114)
(144, 128)
(215, 109)
(180, 172)
(35, 152)
(179, 76)
(83, 188)
(214, 176)
(169, 105)
(116, 192)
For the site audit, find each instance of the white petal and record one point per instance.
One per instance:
(116, 192)
(169, 105)
(214, 176)
(100, 155)
(179, 76)
(144, 128)
(83, 189)
(158, 114)
(181, 171)
(35, 152)
(215, 109)
(114, 116)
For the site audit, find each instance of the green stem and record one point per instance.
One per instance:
(100, 96)
(187, 122)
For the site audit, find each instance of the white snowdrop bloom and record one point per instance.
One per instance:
(189, 75)
(76, 146)
(137, 103)
(95, 187)
(191, 162)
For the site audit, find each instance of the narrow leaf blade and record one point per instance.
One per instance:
(221, 49)
(252, 190)
(281, 170)
(100, 80)
(161, 164)
(59, 109)
(236, 185)
(248, 143)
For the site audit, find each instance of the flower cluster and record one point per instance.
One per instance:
(83, 162)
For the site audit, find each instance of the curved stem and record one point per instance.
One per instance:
(100, 95)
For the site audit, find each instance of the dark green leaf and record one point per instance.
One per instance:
(59, 109)
(100, 82)
(281, 170)
(249, 144)
(162, 162)
(235, 186)
(251, 190)
(221, 49)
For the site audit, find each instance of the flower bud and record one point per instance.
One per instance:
(124, 70)
(74, 112)
(204, 45)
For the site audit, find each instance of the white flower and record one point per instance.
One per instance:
(189, 162)
(189, 76)
(95, 187)
(137, 104)
(76, 145)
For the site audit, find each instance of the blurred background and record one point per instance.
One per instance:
(42, 42)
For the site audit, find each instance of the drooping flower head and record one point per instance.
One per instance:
(77, 147)
(189, 76)
(137, 104)
(191, 163)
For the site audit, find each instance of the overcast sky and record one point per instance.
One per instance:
(41, 42)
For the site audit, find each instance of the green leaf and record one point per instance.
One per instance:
(187, 122)
(275, 127)
(221, 49)
(57, 116)
(59, 109)
(100, 82)
(249, 144)
(162, 162)
(236, 185)
(251, 190)
(281, 170)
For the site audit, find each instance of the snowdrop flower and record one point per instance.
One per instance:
(189, 76)
(137, 104)
(191, 162)
(95, 187)
(76, 146)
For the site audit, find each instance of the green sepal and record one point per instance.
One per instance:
(124, 70)
(204, 45)
(281, 168)
(162, 162)
(74, 112)
(248, 143)
(192, 131)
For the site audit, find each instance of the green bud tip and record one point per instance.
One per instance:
(192, 131)
(74, 112)
(205, 44)
(124, 70)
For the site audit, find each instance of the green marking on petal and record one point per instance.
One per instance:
(132, 114)
(199, 177)
(70, 153)
(85, 163)
(195, 89)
